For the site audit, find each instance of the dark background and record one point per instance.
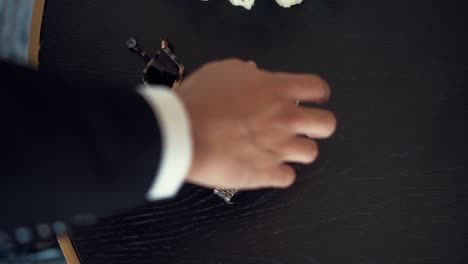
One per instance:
(390, 187)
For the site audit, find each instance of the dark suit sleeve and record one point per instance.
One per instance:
(71, 147)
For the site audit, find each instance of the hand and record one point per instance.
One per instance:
(246, 125)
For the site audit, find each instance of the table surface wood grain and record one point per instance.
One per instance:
(390, 187)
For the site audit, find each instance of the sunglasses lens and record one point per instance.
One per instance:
(162, 70)
(158, 77)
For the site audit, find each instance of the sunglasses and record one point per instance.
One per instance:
(163, 68)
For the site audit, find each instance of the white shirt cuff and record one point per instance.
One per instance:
(176, 154)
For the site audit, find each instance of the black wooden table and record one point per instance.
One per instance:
(390, 187)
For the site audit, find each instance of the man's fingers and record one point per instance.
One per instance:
(305, 87)
(299, 150)
(281, 177)
(238, 61)
(315, 123)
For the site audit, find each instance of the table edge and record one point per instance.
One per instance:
(35, 33)
(68, 249)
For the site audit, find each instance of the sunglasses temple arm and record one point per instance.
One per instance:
(142, 53)
(133, 45)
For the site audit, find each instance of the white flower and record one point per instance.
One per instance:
(288, 3)
(245, 3)
(249, 3)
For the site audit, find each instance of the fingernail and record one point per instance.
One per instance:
(251, 62)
